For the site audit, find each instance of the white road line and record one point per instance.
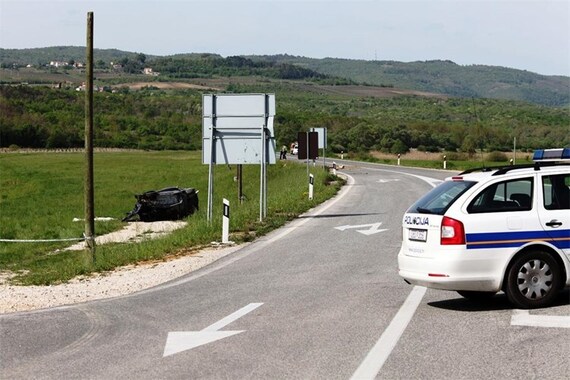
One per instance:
(375, 359)
(524, 318)
(433, 182)
(232, 317)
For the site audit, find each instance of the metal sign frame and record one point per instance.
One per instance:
(238, 129)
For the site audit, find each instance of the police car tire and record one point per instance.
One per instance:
(475, 295)
(548, 273)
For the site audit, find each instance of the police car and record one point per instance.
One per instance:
(494, 229)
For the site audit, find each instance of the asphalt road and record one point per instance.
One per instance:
(317, 299)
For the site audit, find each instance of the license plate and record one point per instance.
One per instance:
(417, 235)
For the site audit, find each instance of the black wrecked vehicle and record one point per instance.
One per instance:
(171, 203)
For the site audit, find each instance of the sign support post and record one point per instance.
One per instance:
(212, 160)
(240, 132)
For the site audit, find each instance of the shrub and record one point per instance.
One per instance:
(497, 157)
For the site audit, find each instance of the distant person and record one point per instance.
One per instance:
(283, 155)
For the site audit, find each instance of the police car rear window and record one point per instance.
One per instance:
(439, 199)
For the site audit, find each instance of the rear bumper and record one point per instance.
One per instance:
(453, 271)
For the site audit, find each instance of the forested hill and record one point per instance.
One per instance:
(179, 66)
(444, 77)
(43, 56)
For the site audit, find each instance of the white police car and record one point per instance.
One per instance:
(494, 229)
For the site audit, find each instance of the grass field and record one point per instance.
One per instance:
(454, 161)
(41, 194)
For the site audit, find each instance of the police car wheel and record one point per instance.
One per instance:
(533, 280)
(476, 296)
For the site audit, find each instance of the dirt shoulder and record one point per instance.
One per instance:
(123, 281)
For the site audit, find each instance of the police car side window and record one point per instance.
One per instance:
(514, 195)
(556, 190)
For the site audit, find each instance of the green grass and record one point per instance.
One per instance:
(41, 193)
(452, 165)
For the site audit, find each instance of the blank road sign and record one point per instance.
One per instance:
(237, 122)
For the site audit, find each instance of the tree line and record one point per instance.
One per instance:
(42, 117)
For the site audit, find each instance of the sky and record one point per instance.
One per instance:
(528, 35)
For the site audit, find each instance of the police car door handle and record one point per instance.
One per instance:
(554, 223)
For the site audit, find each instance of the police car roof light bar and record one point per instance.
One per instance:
(545, 155)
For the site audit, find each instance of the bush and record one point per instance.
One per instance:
(337, 148)
(454, 156)
(497, 157)
(399, 148)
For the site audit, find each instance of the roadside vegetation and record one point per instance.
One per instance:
(162, 110)
(151, 118)
(43, 192)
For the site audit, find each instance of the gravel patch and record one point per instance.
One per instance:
(122, 281)
(134, 232)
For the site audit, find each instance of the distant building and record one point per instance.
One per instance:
(148, 71)
(58, 63)
(83, 87)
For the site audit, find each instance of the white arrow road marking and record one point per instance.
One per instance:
(524, 318)
(373, 228)
(387, 180)
(179, 341)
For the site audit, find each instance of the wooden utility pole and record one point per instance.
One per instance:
(89, 188)
(240, 182)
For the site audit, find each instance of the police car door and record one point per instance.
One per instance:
(554, 209)
(503, 216)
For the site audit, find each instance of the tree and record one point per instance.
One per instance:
(399, 147)
(141, 58)
(469, 145)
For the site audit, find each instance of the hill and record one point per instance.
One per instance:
(39, 57)
(443, 77)
(162, 108)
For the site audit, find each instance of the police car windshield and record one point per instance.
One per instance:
(439, 199)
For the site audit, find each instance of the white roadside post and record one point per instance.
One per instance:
(334, 168)
(398, 159)
(311, 181)
(226, 222)
(445, 162)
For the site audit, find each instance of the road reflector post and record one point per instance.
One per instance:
(334, 168)
(398, 159)
(311, 181)
(445, 162)
(226, 222)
